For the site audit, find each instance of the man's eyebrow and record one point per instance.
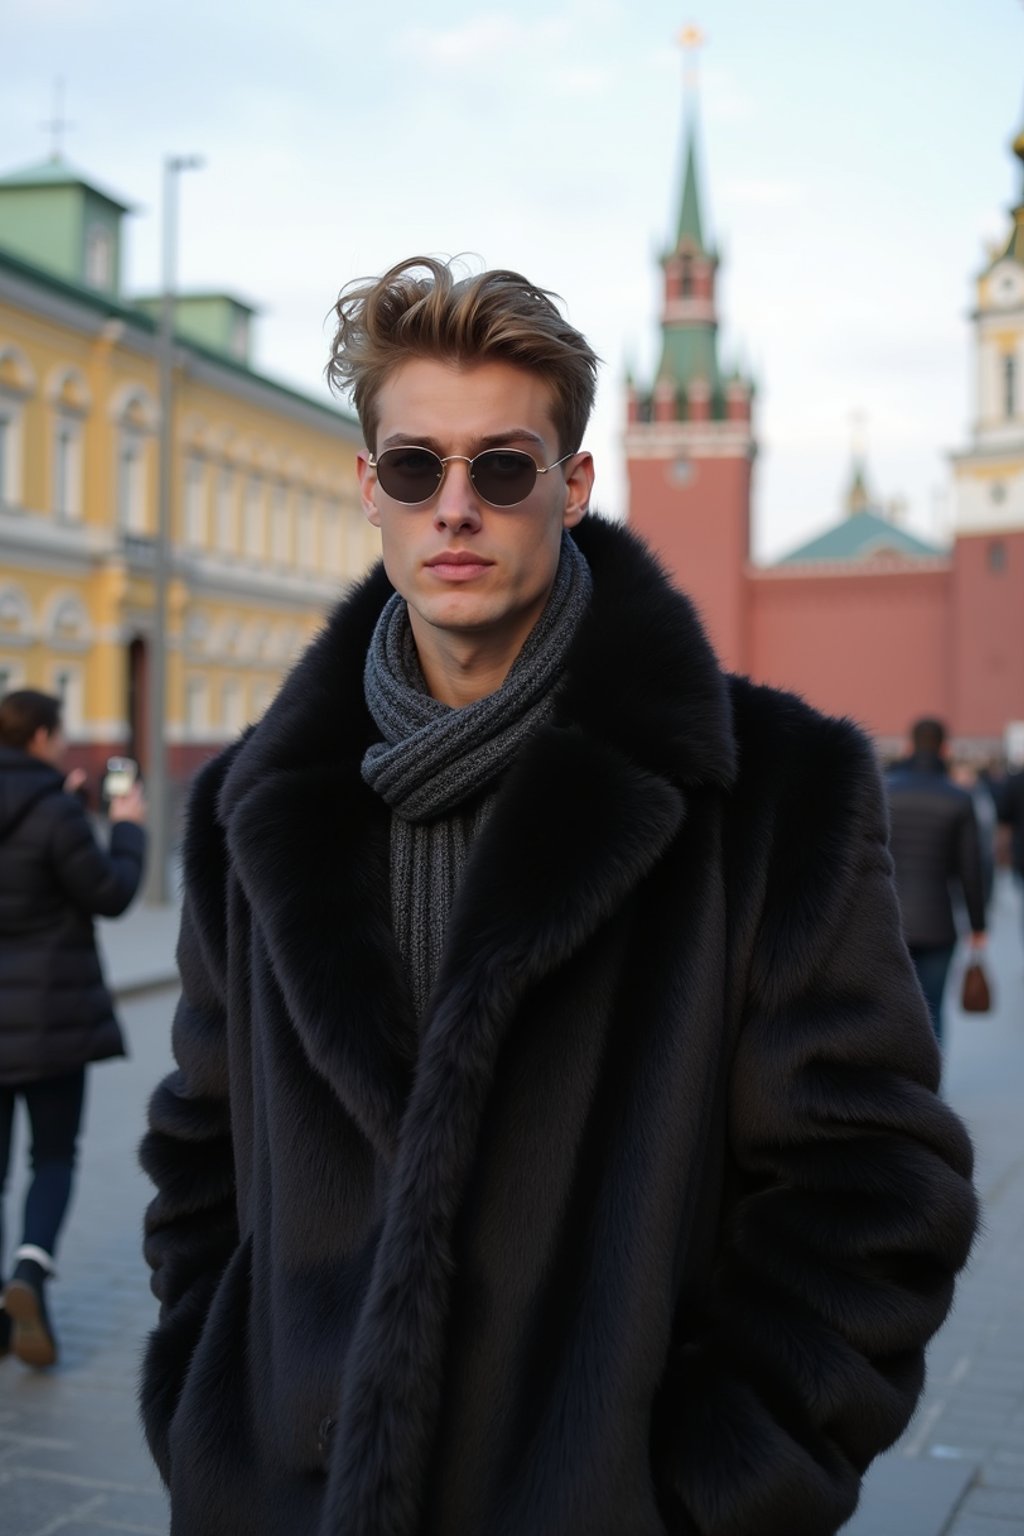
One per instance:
(491, 440)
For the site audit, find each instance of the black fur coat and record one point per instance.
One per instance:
(646, 1229)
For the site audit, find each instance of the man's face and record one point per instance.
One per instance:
(507, 556)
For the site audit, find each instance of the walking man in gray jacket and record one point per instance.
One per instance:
(934, 841)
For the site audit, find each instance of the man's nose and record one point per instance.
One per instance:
(458, 503)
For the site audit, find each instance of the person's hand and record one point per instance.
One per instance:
(129, 807)
(978, 940)
(74, 781)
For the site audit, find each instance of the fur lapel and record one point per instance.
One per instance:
(564, 869)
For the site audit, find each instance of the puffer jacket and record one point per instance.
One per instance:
(935, 843)
(56, 1013)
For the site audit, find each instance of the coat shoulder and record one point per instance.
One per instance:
(798, 758)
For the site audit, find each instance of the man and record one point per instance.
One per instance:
(934, 836)
(554, 1149)
(56, 1015)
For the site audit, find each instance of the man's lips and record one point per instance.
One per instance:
(457, 564)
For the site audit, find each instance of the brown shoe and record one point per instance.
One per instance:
(32, 1336)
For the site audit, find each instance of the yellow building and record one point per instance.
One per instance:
(266, 525)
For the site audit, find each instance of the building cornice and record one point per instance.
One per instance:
(691, 440)
(34, 291)
(815, 570)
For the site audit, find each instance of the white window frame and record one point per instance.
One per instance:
(254, 519)
(11, 417)
(196, 529)
(305, 553)
(99, 257)
(225, 510)
(232, 706)
(132, 512)
(197, 707)
(12, 674)
(67, 683)
(1011, 384)
(66, 461)
(280, 531)
(332, 543)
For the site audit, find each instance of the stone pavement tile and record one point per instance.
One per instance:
(94, 1526)
(906, 1496)
(996, 1476)
(134, 1511)
(31, 1506)
(1004, 1503)
(981, 1525)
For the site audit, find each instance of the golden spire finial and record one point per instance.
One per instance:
(691, 39)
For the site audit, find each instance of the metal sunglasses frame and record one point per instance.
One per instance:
(541, 469)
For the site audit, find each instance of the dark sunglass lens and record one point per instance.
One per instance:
(504, 476)
(409, 474)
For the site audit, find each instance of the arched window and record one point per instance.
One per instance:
(687, 277)
(134, 413)
(196, 531)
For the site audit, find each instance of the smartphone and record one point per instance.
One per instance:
(120, 776)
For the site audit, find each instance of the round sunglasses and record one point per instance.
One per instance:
(503, 477)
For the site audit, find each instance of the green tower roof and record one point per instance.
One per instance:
(690, 226)
(859, 536)
(56, 172)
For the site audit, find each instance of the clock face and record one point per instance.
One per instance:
(1008, 286)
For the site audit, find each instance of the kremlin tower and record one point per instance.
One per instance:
(689, 438)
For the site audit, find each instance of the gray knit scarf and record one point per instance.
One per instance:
(438, 767)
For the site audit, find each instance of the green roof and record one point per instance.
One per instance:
(689, 352)
(56, 172)
(860, 536)
(140, 321)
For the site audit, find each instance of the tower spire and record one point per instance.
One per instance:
(690, 225)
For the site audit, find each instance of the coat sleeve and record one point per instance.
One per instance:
(850, 1207)
(969, 868)
(191, 1226)
(97, 882)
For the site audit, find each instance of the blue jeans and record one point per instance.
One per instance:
(54, 1107)
(932, 962)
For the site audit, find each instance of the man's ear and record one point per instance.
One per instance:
(579, 484)
(367, 485)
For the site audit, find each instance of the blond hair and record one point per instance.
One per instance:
(421, 308)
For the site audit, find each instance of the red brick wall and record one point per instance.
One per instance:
(988, 629)
(701, 532)
(871, 645)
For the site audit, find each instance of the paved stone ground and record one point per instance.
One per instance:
(959, 1469)
(71, 1458)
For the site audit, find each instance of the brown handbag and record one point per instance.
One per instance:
(976, 994)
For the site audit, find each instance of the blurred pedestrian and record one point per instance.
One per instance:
(1009, 796)
(56, 1014)
(966, 776)
(935, 843)
(554, 1143)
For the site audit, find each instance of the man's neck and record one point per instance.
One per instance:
(460, 668)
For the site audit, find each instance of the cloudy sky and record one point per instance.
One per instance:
(855, 163)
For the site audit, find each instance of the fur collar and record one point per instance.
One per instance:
(643, 715)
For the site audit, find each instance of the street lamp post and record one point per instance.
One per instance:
(157, 784)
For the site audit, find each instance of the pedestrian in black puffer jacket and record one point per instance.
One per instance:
(56, 1014)
(934, 842)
